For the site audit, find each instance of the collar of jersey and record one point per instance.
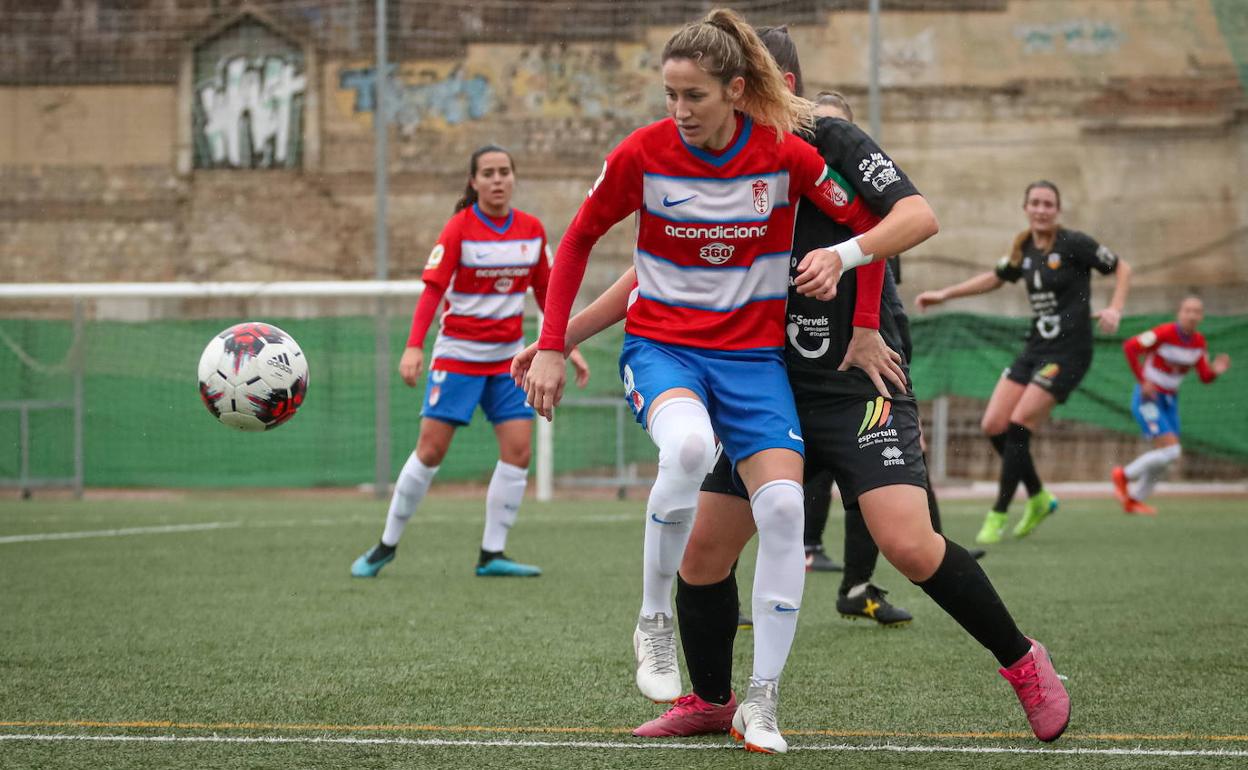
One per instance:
(490, 222)
(743, 136)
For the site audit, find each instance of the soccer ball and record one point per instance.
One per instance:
(253, 376)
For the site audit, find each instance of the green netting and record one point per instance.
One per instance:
(145, 425)
(963, 354)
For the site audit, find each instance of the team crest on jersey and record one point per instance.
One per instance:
(503, 285)
(435, 257)
(1055, 261)
(762, 197)
(837, 194)
(717, 253)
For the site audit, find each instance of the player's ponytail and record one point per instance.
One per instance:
(725, 47)
(470, 194)
(1016, 250)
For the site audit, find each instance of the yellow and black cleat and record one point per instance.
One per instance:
(871, 605)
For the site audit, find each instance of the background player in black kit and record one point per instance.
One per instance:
(1055, 265)
(869, 441)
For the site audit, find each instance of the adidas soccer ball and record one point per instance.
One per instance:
(253, 376)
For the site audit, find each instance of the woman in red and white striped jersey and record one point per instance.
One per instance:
(488, 256)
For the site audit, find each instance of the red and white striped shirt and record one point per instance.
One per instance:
(714, 235)
(1170, 354)
(482, 266)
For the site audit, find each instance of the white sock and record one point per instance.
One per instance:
(1147, 469)
(502, 503)
(681, 429)
(779, 574)
(409, 490)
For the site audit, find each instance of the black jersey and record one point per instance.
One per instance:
(818, 331)
(1059, 286)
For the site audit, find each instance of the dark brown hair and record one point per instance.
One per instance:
(1016, 249)
(470, 194)
(784, 51)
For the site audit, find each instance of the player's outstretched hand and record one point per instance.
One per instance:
(521, 363)
(868, 351)
(543, 384)
(1108, 319)
(581, 366)
(410, 364)
(927, 299)
(1221, 362)
(818, 274)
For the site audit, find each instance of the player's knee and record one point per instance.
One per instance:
(992, 426)
(431, 452)
(779, 510)
(917, 559)
(518, 455)
(705, 562)
(1172, 453)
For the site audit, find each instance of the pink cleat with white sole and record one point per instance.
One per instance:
(690, 716)
(1041, 692)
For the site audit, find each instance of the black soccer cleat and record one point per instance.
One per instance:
(871, 605)
(818, 561)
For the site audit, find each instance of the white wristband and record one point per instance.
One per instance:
(851, 254)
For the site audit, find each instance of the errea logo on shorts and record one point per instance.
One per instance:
(892, 456)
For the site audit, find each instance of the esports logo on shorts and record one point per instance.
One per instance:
(877, 424)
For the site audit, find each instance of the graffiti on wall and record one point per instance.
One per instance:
(904, 59)
(250, 113)
(417, 96)
(583, 82)
(1077, 36)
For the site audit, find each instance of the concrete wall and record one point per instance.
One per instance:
(1132, 106)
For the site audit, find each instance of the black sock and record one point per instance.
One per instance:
(1015, 463)
(818, 501)
(380, 552)
(708, 627)
(963, 590)
(933, 508)
(487, 556)
(998, 443)
(861, 552)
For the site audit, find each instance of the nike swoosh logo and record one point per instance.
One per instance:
(784, 608)
(655, 518)
(669, 204)
(795, 437)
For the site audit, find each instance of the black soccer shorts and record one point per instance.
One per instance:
(1059, 374)
(864, 442)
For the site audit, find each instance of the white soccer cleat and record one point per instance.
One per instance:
(755, 720)
(654, 648)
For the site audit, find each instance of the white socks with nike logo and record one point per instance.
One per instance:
(681, 429)
(779, 575)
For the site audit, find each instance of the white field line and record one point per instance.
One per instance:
(155, 530)
(660, 746)
(286, 523)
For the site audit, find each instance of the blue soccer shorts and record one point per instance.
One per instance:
(1158, 416)
(452, 397)
(746, 392)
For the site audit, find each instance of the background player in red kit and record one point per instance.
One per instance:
(1169, 351)
(488, 256)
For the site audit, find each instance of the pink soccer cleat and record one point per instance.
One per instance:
(1041, 692)
(690, 716)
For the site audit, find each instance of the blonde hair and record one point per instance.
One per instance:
(724, 46)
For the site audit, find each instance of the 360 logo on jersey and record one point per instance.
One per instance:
(716, 253)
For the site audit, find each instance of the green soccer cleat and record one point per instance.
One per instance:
(1040, 506)
(993, 529)
(501, 566)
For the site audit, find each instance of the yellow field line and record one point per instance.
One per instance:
(400, 728)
